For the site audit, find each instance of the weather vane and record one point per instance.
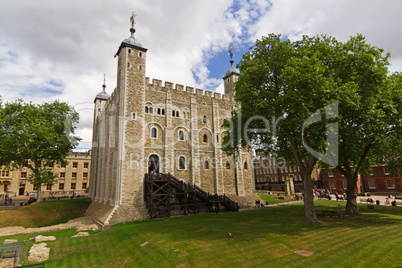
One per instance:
(231, 53)
(132, 19)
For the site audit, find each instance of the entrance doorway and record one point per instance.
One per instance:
(21, 191)
(153, 164)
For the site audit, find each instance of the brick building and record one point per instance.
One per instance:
(146, 125)
(74, 177)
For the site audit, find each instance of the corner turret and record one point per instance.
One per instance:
(231, 76)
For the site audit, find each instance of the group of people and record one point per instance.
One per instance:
(258, 204)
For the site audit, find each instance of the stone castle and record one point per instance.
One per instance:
(148, 126)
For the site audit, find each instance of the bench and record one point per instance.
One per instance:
(328, 213)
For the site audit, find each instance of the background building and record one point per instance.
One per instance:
(74, 177)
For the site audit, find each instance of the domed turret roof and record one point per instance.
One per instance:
(103, 95)
(132, 41)
(232, 69)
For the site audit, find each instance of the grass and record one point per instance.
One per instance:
(262, 238)
(44, 213)
(273, 199)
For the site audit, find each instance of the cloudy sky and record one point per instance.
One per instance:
(57, 49)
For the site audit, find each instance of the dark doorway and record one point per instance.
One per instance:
(22, 190)
(153, 164)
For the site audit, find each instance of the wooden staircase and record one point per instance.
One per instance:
(163, 193)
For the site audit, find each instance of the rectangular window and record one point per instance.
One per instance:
(73, 186)
(330, 173)
(386, 170)
(35, 187)
(61, 186)
(23, 174)
(332, 184)
(85, 175)
(62, 174)
(390, 184)
(48, 187)
(63, 165)
(84, 185)
(86, 164)
(75, 164)
(345, 184)
(371, 184)
(74, 175)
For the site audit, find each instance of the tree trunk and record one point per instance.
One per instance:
(351, 204)
(309, 211)
(39, 192)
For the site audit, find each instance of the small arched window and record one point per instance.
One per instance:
(140, 54)
(227, 165)
(146, 109)
(206, 164)
(204, 119)
(181, 135)
(177, 114)
(182, 162)
(140, 67)
(151, 110)
(128, 65)
(245, 165)
(159, 110)
(173, 113)
(217, 138)
(154, 133)
(129, 51)
(205, 138)
(163, 111)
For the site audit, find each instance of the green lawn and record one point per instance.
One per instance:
(262, 238)
(44, 213)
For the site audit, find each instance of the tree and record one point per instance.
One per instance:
(370, 118)
(37, 137)
(286, 83)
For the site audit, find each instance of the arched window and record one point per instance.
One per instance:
(227, 165)
(245, 165)
(146, 109)
(151, 111)
(159, 110)
(140, 68)
(181, 135)
(173, 113)
(217, 138)
(140, 54)
(204, 119)
(206, 164)
(182, 162)
(128, 65)
(129, 51)
(205, 138)
(154, 133)
(177, 114)
(163, 111)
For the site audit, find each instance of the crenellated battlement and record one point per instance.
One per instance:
(157, 86)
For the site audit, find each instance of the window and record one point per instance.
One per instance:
(146, 109)
(206, 164)
(84, 185)
(85, 175)
(154, 133)
(332, 184)
(35, 187)
(181, 135)
(159, 110)
(246, 166)
(163, 111)
(128, 65)
(204, 119)
(23, 174)
(151, 110)
(133, 116)
(205, 138)
(74, 174)
(182, 162)
(331, 173)
(177, 114)
(227, 165)
(217, 138)
(129, 51)
(62, 174)
(48, 187)
(390, 184)
(86, 164)
(173, 113)
(371, 184)
(345, 184)
(386, 170)
(63, 165)
(140, 67)
(140, 54)
(73, 186)
(61, 186)
(75, 164)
